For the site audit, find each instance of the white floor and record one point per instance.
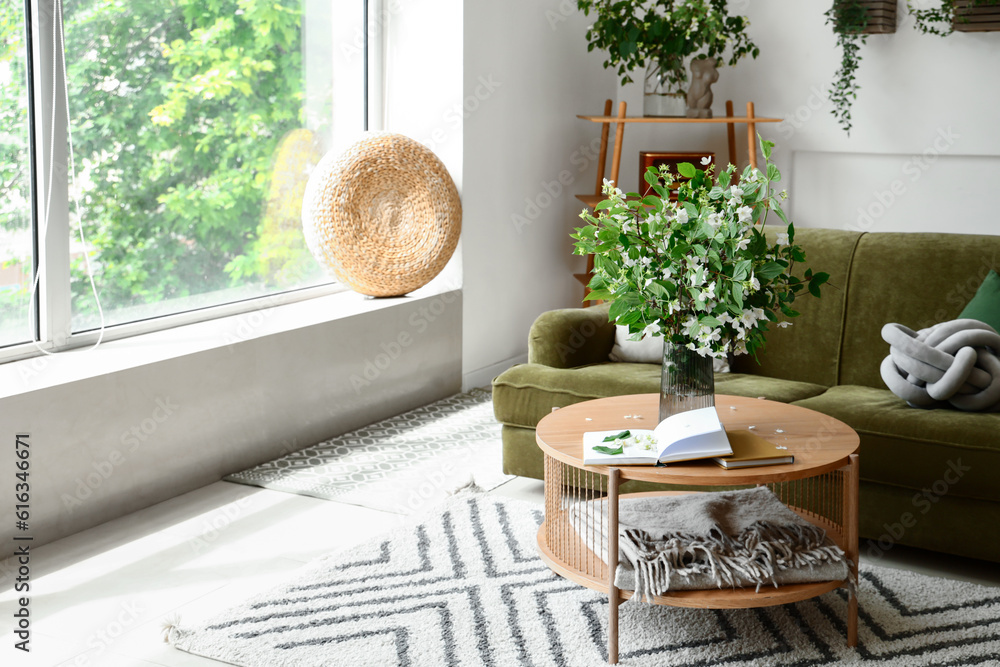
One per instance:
(100, 597)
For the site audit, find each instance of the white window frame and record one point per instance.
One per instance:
(54, 309)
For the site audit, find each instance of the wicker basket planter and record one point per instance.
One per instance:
(384, 217)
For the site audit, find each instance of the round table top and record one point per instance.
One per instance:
(818, 442)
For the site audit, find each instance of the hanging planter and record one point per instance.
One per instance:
(971, 16)
(960, 15)
(853, 21)
(880, 15)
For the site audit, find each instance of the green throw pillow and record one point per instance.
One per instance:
(985, 306)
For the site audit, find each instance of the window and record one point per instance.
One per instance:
(195, 125)
(15, 180)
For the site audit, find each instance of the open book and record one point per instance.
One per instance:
(696, 434)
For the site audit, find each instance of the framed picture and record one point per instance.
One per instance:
(649, 159)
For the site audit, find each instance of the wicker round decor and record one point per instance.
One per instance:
(383, 217)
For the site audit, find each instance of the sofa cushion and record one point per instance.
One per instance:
(913, 279)
(571, 337)
(985, 305)
(809, 350)
(524, 394)
(773, 389)
(944, 451)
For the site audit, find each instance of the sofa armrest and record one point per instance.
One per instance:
(571, 337)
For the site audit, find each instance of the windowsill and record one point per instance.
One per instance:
(45, 371)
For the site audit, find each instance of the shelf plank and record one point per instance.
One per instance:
(660, 119)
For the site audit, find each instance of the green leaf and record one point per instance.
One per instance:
(601, 205)
(742, 270)
(709, 321)
(784, 218)
(620, 436)
(770, 270)
(738, 295)
(607, 450)
(772, 173)
(765, 147)
(687, 170)
(815, 282)
(598, 295)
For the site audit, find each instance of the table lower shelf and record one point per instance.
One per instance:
(593, 573)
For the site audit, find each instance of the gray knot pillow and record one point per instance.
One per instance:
(949, 363)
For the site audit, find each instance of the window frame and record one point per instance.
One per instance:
(52, 309)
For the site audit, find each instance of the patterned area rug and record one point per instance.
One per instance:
(465, 587)
(401, 464)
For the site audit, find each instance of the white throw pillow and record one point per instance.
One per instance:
(648, 350)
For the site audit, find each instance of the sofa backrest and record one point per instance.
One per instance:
(809, 350)
(915, 279)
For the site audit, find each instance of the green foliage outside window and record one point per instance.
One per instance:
(177, 110)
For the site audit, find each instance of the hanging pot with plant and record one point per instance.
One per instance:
(957, 15)
(658, 36)
(853, 21)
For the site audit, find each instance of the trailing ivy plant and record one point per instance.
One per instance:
(945, 14)
(849, 19)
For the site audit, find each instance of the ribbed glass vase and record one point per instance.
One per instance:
(687, 381)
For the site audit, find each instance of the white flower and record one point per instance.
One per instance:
(710, 292)
(705, 161)
(745, 213)
(691, 327)
(784, 324)
(714, 220)
(682, 216)
(735, 191)
(782, 238)
(754, 283)
(742, 245)
(755, 174)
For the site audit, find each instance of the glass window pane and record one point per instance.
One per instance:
(193, 138)
(15, 180)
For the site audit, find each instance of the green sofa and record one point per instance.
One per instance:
(929, 478)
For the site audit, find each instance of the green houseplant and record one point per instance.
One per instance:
(698, 271)
(942, 19)
(661, 34)
(849, 20)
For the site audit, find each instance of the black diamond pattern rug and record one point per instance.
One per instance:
(401, 464)
(465, 587)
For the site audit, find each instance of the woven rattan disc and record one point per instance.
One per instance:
(383, 217)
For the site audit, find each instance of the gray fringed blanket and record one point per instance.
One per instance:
(710, 540)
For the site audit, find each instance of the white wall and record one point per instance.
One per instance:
(527, 74)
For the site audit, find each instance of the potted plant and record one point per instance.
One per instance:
(698, 271)
(853, 21)
(951, 15)
(660, 35)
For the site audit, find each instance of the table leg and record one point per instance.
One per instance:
(853, 552)
(613, 597)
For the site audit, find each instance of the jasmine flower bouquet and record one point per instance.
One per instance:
(698, 270)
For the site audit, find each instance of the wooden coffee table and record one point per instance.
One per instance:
(821, 486)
